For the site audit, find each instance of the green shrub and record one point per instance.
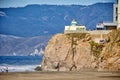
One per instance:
(96, 48)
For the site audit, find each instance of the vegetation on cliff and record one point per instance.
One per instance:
(110, 56)
(66, 52)
(96, 49)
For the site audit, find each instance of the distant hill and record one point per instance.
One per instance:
(34, 20)
(10, 45)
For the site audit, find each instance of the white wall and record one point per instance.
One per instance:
(114, 13)
(74, 27)
(118, 13)
(67, 27)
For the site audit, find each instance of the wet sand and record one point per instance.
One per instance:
(73, 75)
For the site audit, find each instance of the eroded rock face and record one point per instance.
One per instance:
(66, 53)
(110, 56)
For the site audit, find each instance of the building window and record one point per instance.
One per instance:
(116, 18)
(78, 29)
(81, 29)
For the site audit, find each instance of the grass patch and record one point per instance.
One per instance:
(76, 35)
(96, 49)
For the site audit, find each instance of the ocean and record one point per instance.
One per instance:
(19, 63)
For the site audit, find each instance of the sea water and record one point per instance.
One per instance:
(19, 63)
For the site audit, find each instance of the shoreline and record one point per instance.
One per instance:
(62, 75)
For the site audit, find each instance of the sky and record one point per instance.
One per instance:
(22, 3)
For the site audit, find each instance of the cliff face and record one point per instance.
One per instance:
(110, 56)
(66, 52)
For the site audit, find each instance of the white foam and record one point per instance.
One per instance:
(18, 68)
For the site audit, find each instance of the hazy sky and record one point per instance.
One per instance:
(19, 3)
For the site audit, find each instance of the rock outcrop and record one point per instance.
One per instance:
(66, 52)
(110, 56)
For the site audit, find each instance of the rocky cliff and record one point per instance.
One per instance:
(110, 55)
(67, 52)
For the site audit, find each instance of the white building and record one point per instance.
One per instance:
(118, 13)
(115, 13)
(75, 27)
(116, 19)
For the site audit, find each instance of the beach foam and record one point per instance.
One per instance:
(17, 68)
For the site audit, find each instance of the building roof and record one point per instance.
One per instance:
(100, 25)
(74, 22)
(109, 24)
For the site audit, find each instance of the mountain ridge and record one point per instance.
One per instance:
(21, 46)
(35, 20)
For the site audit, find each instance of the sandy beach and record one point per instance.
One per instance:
(73, 75)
